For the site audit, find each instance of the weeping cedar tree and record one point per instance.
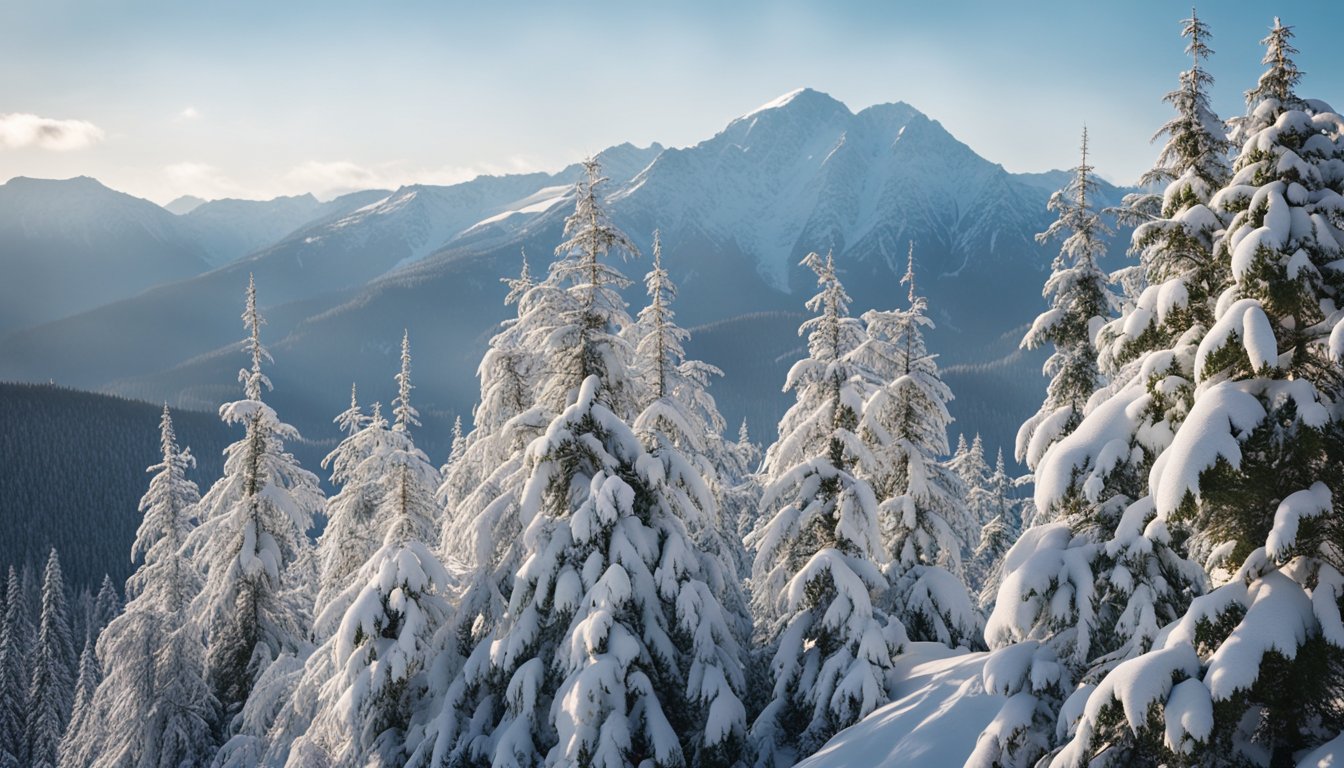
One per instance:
(253, 531)
(817, 573)
(1252, 671)
(153, 706)
(613, 649)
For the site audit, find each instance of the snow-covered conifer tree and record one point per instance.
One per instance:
(1253, 469)
(999, 533)
(968, 462)
(153, 706)
(16, 637)
(680, 421)
(817, 576)
(353, 529)
(613, 650)
(388, 613)
(254, 527)
(925, 523)
(86, 684)
(1079, 302)
(51, 687)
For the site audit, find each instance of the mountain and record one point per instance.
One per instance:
(230, 229)
(737, 212)
(184, 204)
(75, 244)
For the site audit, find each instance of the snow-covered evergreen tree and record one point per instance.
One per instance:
(389, 612)
(680, 421)
(968, 462)
(1179, 277)
(1253, 468)
(254, 527)
(998, 534)
(16, 637)
(925, 523)
(613, 649)
(353, 530)
(817, 576)
(1079, 303)
(86, 684)
(153, 706)
(51, 687)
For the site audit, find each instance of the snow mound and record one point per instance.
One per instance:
(938, 706)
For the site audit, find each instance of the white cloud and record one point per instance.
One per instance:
(326, 178)
(190, 113)
(19, 130)
(202, 180)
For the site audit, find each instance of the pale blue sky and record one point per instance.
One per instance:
(255, 99)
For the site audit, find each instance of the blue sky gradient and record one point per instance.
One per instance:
(255, 99)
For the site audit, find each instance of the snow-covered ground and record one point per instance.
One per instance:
(941, 706)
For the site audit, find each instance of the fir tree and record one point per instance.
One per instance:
(255, 522)
(51, 687)
(393, 605)
(596, 659)
(1250, 672)
(1003, 528)
(817, 574)
(1079, 300)
(16, 637)
(153, 706)
(925, 523)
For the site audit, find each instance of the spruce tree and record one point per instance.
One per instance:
(998, 535)
(1079, 301)
(817, 575)
(925, 523)
(152, 705)
(595, 660)
(1250, 673)
(394, 603)
(254, 527)
(16, 638)
(51, 687)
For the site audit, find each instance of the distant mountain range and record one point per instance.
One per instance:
(340, 280)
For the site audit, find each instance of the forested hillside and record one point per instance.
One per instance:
(73, 473)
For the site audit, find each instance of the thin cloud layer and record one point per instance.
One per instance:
(19, 130)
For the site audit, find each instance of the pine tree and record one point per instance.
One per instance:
(1079, 299)
(16, 638)
(968, 462)
(152, 705)
(254, 527)
(1250, 673)
(1180, 279)
(51, 687)
(925, 523)
(817, 574)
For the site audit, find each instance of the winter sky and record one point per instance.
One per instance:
(259, 98)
